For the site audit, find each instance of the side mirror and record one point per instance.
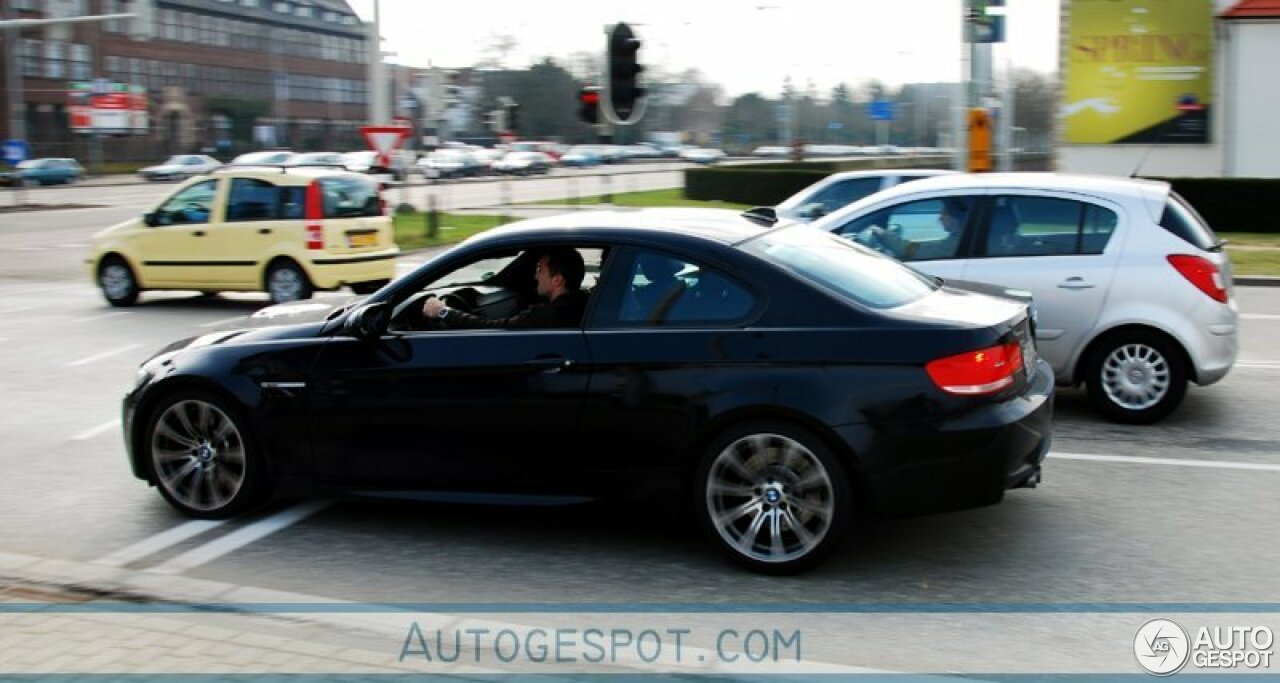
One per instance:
(368, 322)
(761, 214)
(151, 219)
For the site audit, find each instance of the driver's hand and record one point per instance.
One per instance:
(431, 309)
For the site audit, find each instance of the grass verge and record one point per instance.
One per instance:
(411, 228)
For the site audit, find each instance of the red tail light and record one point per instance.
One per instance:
(976, 373)
(1202, 273)
(315, 216)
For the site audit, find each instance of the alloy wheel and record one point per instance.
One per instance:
(198, 455)
(1135, 376)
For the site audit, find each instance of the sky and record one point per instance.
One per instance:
(744, 45)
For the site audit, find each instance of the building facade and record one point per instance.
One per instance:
(220, 75)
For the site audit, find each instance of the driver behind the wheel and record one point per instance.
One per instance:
(559, 276)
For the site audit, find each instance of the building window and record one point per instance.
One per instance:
(282, 7)
(331, 17)
(348, 20)
(31, 58)
(303, 11)
(81, 62)
(249, 3)
(55, 55)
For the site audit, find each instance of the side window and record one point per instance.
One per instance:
(660, 289)
(1045, 226)
(252, 200)
(293, 202)
(922, 230)
(190, 205)
(838, 195)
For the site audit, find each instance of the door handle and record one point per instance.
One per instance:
(264, 231)
(1074, 283)
(554, 363)
(198, 233)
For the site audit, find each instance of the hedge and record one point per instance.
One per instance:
(1233, 204)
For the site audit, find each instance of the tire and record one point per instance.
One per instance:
(1136, 377)
(118, 283)
(790, 479)
(202, 457)
(368, 287)
(285, 282)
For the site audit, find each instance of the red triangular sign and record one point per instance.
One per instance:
(384, 140)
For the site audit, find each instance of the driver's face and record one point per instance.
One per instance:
(543, 276)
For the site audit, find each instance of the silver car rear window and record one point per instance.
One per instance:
(1181, 219)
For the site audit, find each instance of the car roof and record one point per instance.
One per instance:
(282, 175)
(1152, 193)
(718, 225)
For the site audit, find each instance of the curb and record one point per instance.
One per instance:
(1256, 281)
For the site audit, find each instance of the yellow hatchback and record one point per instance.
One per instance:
(287, 232)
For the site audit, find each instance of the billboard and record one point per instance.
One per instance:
(1138, 72)
(107, 108)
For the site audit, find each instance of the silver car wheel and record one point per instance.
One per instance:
(285, 284)
(1135, 376)
(770, 498)
(198, 455)
(117, 281)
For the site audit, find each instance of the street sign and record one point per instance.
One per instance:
(880, 110)
(384, 140)
(15, 151)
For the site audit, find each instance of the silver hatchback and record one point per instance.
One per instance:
(1132, 288)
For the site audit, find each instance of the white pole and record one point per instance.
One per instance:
(378, 112)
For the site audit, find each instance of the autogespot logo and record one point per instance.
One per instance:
(1161, 647)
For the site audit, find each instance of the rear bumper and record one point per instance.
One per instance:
(331, 272)
(961, 462)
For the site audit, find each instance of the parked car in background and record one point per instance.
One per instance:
(249, 229)
(485, 156)
(581, 156)
(453, 163)
(402, 163)
(551, 149)
(702, 155)
(780, 384)
(51, 171)
(329, 159)
(277, 157)
(181, 167)
(1132, 289)
(523, 163)
(841, 189)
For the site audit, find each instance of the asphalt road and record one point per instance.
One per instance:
(1185, 511)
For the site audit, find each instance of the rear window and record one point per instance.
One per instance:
(350, 196)
(868, 278)
(1182, 220)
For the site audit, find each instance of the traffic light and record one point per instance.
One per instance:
(979, 140)
(589, 104)
(624, 69)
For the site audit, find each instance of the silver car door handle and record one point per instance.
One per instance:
(1074, 283)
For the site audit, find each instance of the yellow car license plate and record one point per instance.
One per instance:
(362, 239)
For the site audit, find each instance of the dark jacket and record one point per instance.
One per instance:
(565, 311)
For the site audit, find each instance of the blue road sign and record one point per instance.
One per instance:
(15, 151)
(880, 110)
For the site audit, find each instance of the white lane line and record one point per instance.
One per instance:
(29, 248)
(1258, 364)
(158, 542)
(239, 538)
(224, 321)
(104, 316)
(1138, 460)
(18, 309)
(72, 246)
(1259, 316)
(90, 433)
(104, 354)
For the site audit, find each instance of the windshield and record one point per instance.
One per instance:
(865, 276)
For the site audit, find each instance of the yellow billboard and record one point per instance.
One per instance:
(1138, 71)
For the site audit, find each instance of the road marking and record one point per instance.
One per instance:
(72, 246)
(104, 354)
(89, 434)
(29, 248)
(224, 321)
(1138, 460)
(104, 316)
(239, 538)
(1259, 316)
(18, 309)
(158, 542)
(1259, 364)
